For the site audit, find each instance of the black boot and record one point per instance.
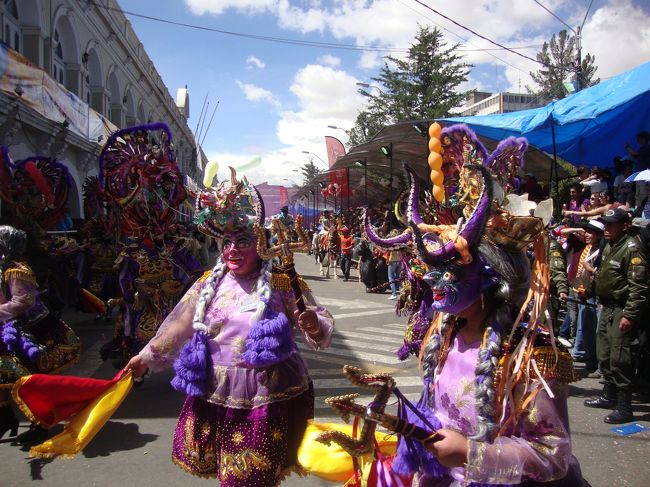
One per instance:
(33, 436)
(607, 400)
(623, 411)
(8, 421)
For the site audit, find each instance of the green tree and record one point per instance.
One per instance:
(559, 62)
(309, 171)
(422, 85)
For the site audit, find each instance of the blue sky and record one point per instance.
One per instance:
(276, 100)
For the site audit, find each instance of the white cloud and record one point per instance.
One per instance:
(324, 96)
(255, 93)
(329, 60)
(253, 62)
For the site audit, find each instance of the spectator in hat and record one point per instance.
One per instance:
(584, 348)
(621, 285)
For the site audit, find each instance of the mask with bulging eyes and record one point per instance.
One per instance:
(455, 287)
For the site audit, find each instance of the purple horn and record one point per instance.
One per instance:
(413, 211)
(471, 231)
(394, 243)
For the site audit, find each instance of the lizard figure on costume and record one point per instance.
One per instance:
(140, 175)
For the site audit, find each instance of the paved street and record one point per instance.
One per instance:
(133, 449)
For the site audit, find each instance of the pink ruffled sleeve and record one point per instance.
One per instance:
(22, 298)
(538, 448)
(175, 330)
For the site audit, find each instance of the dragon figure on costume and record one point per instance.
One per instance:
(495, 380)
(139, 174)
(232, 342)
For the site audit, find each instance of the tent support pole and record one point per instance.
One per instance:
(554, 173)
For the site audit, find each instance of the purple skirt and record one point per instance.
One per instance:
(241, 447)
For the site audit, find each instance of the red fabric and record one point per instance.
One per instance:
(55, 398)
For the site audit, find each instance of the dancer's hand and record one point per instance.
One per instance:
(137, 366)
(451, 451)
(308, 321)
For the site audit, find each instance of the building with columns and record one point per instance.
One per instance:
(73, 71)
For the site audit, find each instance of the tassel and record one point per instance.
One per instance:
(193, 367)
(269, 340)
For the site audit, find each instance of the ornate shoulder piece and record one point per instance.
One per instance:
(20, 271)
(281, 282)
(204, 276)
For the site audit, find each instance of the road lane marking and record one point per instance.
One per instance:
(385, 331)
(343, 383)
(351, 355)
(363, 313)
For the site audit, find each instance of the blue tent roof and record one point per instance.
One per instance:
(591, 126)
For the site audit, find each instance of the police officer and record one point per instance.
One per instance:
(559, 290)
(621, 286)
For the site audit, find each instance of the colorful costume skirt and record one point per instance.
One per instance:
(241, 447)
(60, 349)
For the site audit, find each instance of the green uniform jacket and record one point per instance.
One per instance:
(557, 263)
(621, 280)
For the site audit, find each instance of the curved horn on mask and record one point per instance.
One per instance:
(393, 243)
(413, 212)
(258, 205)
(471, 232)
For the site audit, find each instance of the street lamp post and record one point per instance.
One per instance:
(387, 150)
(364, 163)
(316, 156)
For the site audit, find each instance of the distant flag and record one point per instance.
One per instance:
(284, 196)
(210, 172)
(335, 149)
(252, 164)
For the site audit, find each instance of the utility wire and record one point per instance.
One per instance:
(466, 41)
(477, 34)
(280, 40)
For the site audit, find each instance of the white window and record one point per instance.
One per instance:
(12, 25)
(58, 64)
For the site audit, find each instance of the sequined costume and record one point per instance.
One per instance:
(505, 391)
(25, 319)
(232, 342)
(139, 177)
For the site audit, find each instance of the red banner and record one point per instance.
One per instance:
(284, 196)
(335, 149)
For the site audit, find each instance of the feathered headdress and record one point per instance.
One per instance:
(35, 188)
(138, 170)
(231, 205)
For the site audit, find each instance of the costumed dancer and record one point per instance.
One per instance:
(35, 191)
(231, 340)
(32, 340)
(139, 173)
(100, 243)
(495, 380)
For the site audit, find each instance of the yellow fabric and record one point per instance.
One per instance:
(86, 424)
(333, 462)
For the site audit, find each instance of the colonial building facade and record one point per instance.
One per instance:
(73, 71)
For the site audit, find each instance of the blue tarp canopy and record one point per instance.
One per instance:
(591, 126)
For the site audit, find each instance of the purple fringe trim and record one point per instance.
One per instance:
(194, 367)
(411, 455)
(19, 343)
(269, 341)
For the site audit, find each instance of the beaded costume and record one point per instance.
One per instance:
(505, 392)
(139, 174)
(231, 340)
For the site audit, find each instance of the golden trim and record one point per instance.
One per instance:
(21, 404)
(281, 282)
(187, 469)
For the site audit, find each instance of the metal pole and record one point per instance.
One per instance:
(391, 172)
(554, 171)
(347, 185)
(365, 178)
